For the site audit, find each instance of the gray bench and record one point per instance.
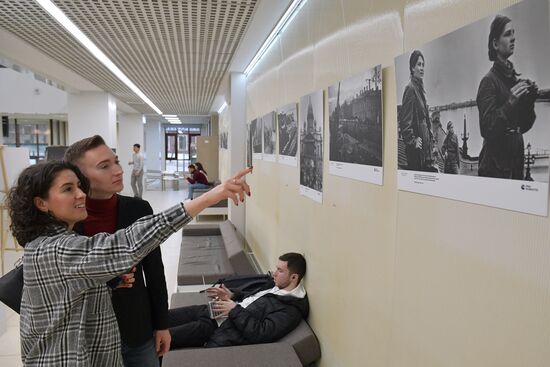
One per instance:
(220, 208)
(210, 252)
(299, 348)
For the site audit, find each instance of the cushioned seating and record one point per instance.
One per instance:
(299, 348)
(210, 252)
(200, 229)
(234, 246)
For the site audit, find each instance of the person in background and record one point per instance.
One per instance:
(197, 180)
(506, 107)
(142, 310)
(137, 171)
(199, 166)
(67, 318)
(450, 151)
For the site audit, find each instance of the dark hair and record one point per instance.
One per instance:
(27, 221)
(137, 145)
(296, 264)
(497, 28)
(414, 59)
(200, 167)
(191, 166)
(78, 149)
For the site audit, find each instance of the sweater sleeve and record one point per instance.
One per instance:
(98, 258)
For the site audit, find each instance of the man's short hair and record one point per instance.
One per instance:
(78, 149)
(296, 264)
(137, 145)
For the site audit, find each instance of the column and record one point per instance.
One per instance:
(237, 136)
(130, 132)
(91, 113)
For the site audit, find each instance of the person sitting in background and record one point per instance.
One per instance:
(199, 166)
(263, 317)
(197, 180)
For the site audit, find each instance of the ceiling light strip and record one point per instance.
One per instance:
(64, 21)
(281, 26)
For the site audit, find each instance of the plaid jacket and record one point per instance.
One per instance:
(67, 318)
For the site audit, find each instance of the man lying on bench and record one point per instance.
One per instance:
(263, 317)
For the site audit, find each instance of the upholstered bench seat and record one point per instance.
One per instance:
(299, 348)
(210, 252)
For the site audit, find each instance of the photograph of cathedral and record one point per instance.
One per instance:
(311, 146)
(268, 123)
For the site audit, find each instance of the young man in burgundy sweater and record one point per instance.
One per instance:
(141, 311)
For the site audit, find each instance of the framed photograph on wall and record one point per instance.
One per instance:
(311, 146)
(248, 146)
(256, 136)
(270, 136)
(356, 127)
(287, 127)
(473, 112)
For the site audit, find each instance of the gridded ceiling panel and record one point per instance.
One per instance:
(175, 51)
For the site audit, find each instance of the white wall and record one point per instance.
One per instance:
(154, 145)
(21, 93)
(91, 113)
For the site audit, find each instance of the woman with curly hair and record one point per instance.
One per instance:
(67, 317)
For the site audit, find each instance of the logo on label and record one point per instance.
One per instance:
(526, 187)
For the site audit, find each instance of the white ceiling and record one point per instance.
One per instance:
(176, 51)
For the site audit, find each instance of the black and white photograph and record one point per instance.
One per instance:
(248, 146)
(311, 146)
(223, 139)
(256, 134)
(287, 122)
(356, 128)
(474, 110)
(268, 123)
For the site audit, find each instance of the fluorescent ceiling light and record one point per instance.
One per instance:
(223, 106)
(55, 12)
(281, 26)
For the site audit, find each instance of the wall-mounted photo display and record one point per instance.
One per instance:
(474, 112)
(224, 139)
(268, 123)
(248, 146)
(311, 146)
(287, 122)
(356, 128)
(256, 136)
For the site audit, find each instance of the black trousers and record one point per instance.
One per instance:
(190, 326)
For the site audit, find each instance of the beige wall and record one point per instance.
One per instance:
(395, 278)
